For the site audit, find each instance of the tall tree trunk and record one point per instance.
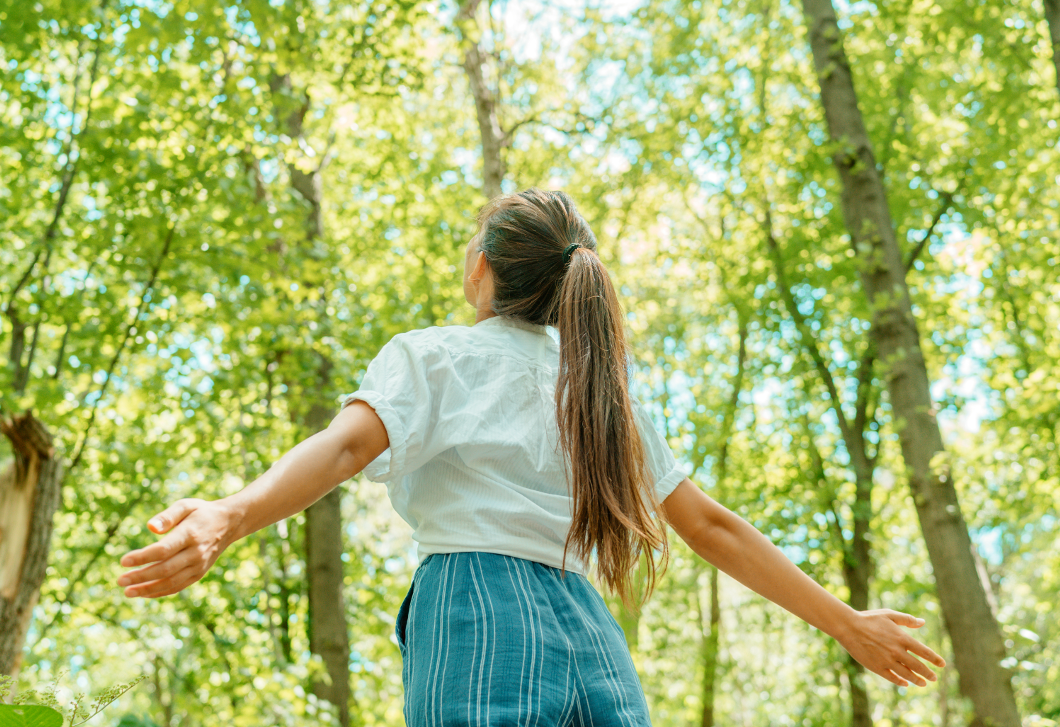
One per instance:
(328, 633)
(944, 685)
(475, 65)
(977, 643)
(29, 496)
(712, 634)
(709, 652)
(857, 558)
(857, 572)
(857, 561)
(1052, 17)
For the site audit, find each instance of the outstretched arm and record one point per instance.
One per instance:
(198, 531)
(734, 546)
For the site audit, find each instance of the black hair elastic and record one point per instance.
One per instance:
(569, 251)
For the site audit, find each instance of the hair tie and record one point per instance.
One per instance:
(569, 251)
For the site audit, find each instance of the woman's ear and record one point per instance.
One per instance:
(480, 268)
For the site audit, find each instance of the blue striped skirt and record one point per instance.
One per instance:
(495, 640)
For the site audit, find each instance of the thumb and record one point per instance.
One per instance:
(904, 619)
(172, 515)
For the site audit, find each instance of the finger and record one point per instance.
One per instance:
(904, 619)
(924, 652)
(905, 673)
(172, 515)
(918, 667)
(161, 569)
(167, 547)
(892, 677)
(166, 586)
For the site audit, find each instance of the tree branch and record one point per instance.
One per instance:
(836, 525)
(864, 390)
(947, 202)
(809, 342)
(67, 597)
(68, 173)
(128, 332)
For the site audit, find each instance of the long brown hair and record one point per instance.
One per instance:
(542, 255)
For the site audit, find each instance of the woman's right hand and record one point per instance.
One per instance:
(197, 532)
(877, 641)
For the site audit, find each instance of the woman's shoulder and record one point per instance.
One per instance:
(433, 339)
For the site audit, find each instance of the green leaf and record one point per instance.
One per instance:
(29, 716)
(131, 720)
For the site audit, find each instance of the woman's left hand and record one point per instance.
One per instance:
(877, 641)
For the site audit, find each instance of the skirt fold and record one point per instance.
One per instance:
(489, 639)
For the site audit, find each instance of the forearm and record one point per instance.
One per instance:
(302, 476)
(735, 547)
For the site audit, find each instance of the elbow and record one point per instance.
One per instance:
(700, 521)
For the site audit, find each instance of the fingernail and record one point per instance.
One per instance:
(156, 523)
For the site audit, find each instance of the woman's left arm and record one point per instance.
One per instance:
(198, 531)
(736, 547)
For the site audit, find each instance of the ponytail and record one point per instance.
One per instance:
(546, 271)
(610, 482)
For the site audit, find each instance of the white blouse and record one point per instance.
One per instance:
(474, 460)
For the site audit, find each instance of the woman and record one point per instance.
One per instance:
(517, 461)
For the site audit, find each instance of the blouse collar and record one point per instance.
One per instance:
(514, 323)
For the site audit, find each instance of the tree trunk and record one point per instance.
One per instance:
(712, 635)
(857, 558)
(327, 612)
(944, 685)
(1052, 17)
(709, 652)
(328, 634)
(29, 496)
(977, 642)
(857, 571)
(493, 136)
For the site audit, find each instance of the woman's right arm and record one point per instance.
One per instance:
(198, 531)
(734, 546)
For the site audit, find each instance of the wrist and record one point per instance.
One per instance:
(235, 517)
(845, 625)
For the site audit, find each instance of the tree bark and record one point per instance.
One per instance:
(709, 652)
(328, 633)
(857, 563)
(1052, 17)
(29, 497)
(712, 635)
(977, 642)
(493, 137)
(857, 558)
(857, 572)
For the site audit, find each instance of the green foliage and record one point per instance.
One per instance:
(34, 708)
(29, 716)
(161, 133)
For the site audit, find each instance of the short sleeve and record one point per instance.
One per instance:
(666, 474)
(398, 385)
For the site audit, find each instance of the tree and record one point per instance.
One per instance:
(977, 642)
(1052, 18)
(323, 542)
(29, 496)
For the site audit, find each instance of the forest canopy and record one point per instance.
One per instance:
(835, 227)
